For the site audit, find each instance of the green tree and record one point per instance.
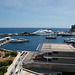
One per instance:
(14, 53)
(10, 60)
(6, 62)
(7, 54)
(3, 69)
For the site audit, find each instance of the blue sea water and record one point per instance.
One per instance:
(33, 40)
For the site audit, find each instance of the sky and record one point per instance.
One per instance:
(37, 13)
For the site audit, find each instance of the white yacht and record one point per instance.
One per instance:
(42, 32)
(20, 40)
(69, 40)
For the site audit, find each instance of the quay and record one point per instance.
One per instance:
(4, 40)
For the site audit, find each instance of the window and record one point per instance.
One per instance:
(55, 58)
(49, 60)
(49, 53)
(59, 74)
(55, 52)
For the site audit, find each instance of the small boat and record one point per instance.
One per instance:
(60, 33)
(50, 37)
(20, 40)
(67, 34)
(69, 40)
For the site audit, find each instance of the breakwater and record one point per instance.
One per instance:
(16, 34)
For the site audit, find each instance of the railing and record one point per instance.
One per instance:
(4, 40)
(11, 68)
(39, 47)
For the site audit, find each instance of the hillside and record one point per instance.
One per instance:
(72, 28)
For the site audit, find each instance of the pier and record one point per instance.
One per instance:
(4, 40)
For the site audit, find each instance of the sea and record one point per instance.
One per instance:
(34, 41)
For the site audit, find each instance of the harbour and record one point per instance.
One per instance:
(37, 37)
(41, 54)
(44, 50)
(33, 40)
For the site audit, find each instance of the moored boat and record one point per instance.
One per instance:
(43, 32)
(69, 40)
(67, 34)
(50, 37)
(20, 40)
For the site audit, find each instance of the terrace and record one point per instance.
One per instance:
(47, 47)
(51, 53)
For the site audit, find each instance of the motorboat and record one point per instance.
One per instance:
(69, 40)
(20, 40)
(59, 33)
(67, 34)
(62, 33)
(50, 37)
(43, 32)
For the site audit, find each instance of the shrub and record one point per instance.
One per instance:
(0, 54)
(6, 62)
(7, 54)
(3, 69)
(10, 61)
(14, 53)
(1, 73)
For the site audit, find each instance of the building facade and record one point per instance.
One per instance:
(56, 58)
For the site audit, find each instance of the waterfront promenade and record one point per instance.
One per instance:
(16, 67)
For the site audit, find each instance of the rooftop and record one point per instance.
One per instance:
(57, 47)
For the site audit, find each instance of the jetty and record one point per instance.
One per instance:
(15, 34)
(4, 40)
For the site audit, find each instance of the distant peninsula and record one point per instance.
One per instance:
(72, 28)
